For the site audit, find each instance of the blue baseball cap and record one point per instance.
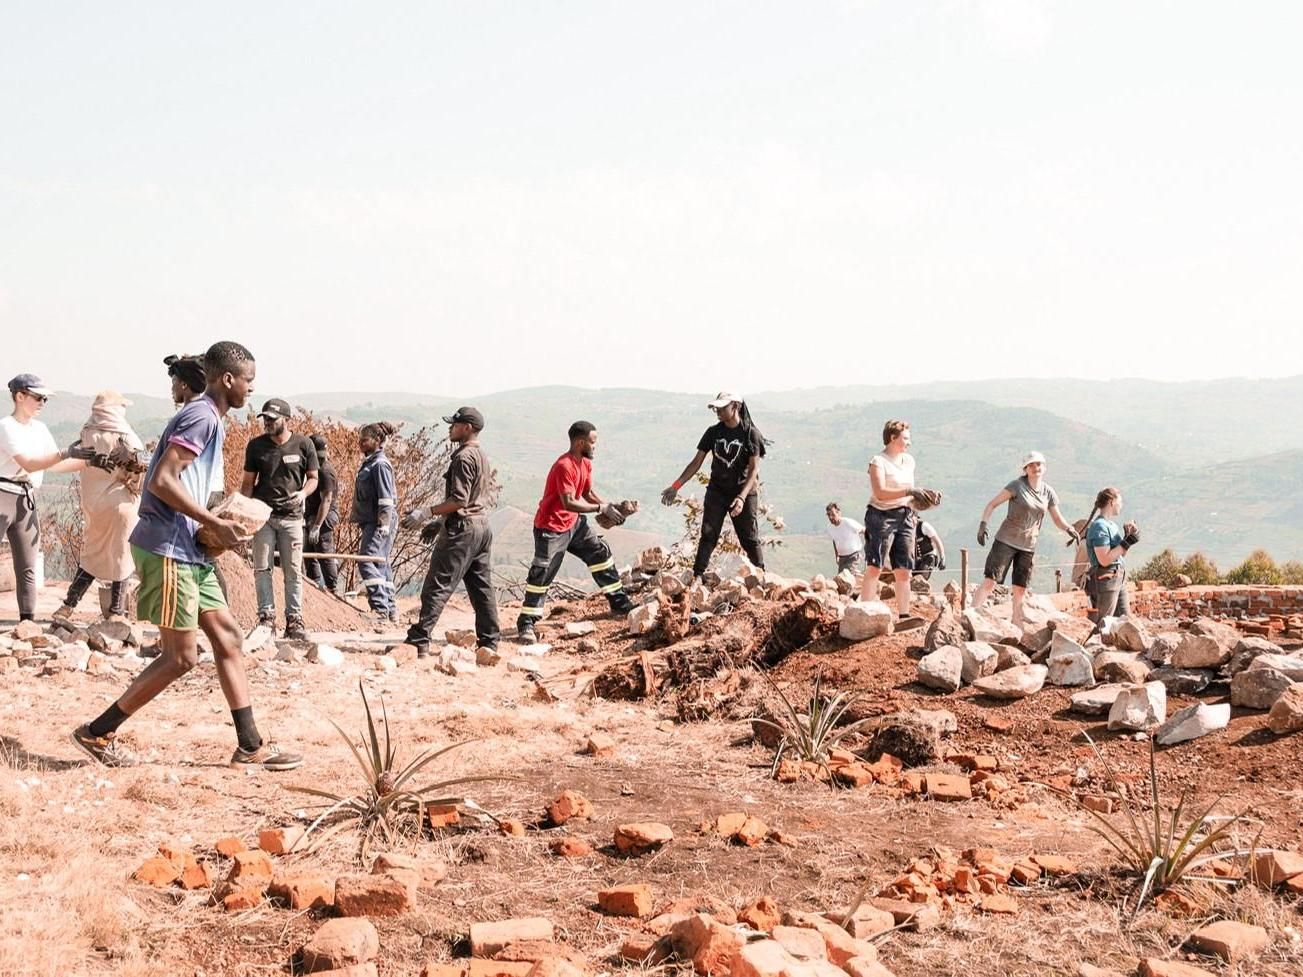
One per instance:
(29, 383)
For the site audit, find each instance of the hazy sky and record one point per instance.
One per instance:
(466, 197)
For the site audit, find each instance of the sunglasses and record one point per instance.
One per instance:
(41, 397)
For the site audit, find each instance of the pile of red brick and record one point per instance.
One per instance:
(980, 779)
(979, 877)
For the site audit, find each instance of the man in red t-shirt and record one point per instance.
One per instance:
(561, 527)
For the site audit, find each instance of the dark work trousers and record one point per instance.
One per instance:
(746, 525)
(18, 523)
(550, 551)
(463, 553)
(323, 573)
(81, 583)
(378, 578)
(1108, 592)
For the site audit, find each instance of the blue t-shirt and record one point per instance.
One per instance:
(1101, 532)
(196, 427)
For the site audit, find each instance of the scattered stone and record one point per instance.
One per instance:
(1230, 940)
(626, 900)
(765, 958)
(26, 631)
(571, 847)
(1163, 647)
(402, 654)
(1289, 664)
(1055, 866)
(1286, 714)
(1248, 649)
(864, 967)
(866, 922)
(947, 787)
(1013, 683)
(577, 629)
(512, 827)
(1226, 636)
(1130, 634)
(569, 805)
(374, 895)
(1120, 666)
(942, 669)
(229, 846)
(644, 618)
(1096, 701)
(1153, 967)
(488, 939)
(1199, 651)
(979, 659)
(340, 943)
(487, 657)
(1000, 904)
(241, 899)
(599, 744)
(1271, 868)
(761, 915)
(803, 944)
(753, 832)
(866, 619)
(839, 946)
(910, 915)
(158, 871)
(303, 891)
(710, 945)
(280, 841)
(1258, 688)
(1192, 722)
(1010, 657)
(1138, 707)
(1090, 970)
(442, 815)
(1182, 681)
(463, 638)
(647, 949)
(990, 630)
(250, 869)
(909, 740)
(1069, 663)
(642, 836)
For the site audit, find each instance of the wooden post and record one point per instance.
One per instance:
(1058, 581)
(963, 579)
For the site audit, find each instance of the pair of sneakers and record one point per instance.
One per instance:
(294, 629)
(107, 751)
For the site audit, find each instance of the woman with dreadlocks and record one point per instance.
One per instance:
(736, 447)
(375, 510)
(1106, 548)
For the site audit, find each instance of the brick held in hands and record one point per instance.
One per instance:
(250, 514)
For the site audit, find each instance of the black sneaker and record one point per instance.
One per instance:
(622, 606)
(102, 749)
(268, 756)
(294, 630)
(268, 621)
(526, 635)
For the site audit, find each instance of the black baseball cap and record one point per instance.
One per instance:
(318, 442)
(275, 408)
(467, 415)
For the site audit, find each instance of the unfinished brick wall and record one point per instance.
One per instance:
(1223, 601)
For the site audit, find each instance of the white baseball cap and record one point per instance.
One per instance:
(723, 399)
(1032, 457)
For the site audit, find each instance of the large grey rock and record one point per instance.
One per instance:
(1290, 665)
(866, 619)
(1138, 707)
(1010, 657)
(941, 721)
(1163, 646)
(1225, 635)
(1013, 683)
(980, 659)
(945, 629)
(1258, 688)
(1037, 640)
(1069, 663)
(1096, 701)
(1248, 649)
(1130, 634)
(1286, 715)
(992, 630)
(1182, 681)
(1192, 722)
(1121, 666)
(1200, 651)
(942, 669)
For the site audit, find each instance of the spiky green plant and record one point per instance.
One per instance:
(812, 735)
(1160, 851)
(388, 807)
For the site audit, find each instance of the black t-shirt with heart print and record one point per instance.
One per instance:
(731, 450)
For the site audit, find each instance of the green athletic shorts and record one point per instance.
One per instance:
(173, 594)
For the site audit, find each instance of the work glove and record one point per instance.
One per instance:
(101, 461)
(669, 495)
(430, 531)
(314, 536)
(982, 534)
(416, 518)
(924, 499)
(941, 564)
(79, 451)
(124, 456)
(382, 530)
(1130, 535)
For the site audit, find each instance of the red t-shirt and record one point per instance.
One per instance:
(567, 476)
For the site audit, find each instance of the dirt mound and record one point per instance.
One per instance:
(321, 611)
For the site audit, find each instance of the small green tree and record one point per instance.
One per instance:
(1201, 570)
(1162, 567)
(1258, 567)
(1291, 572)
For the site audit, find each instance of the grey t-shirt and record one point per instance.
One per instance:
(466, 478)
(1027, 510)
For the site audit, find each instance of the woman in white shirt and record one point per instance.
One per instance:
(27, 450)
(889, 520)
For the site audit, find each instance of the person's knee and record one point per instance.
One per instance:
(182, 657)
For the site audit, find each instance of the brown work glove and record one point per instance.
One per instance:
(614, 514)
(924, 499)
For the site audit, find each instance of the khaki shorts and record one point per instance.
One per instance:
(173, 594)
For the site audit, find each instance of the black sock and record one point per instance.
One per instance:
(108, 722)
(246, 731)
(25, 617)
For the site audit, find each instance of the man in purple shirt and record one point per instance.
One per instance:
(178, 583)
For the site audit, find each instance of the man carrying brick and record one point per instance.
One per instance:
(463, 546)
(280, 468)
(561, 527)
(178, 588)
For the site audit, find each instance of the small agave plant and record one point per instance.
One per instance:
(389, 807)
(813, 733)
